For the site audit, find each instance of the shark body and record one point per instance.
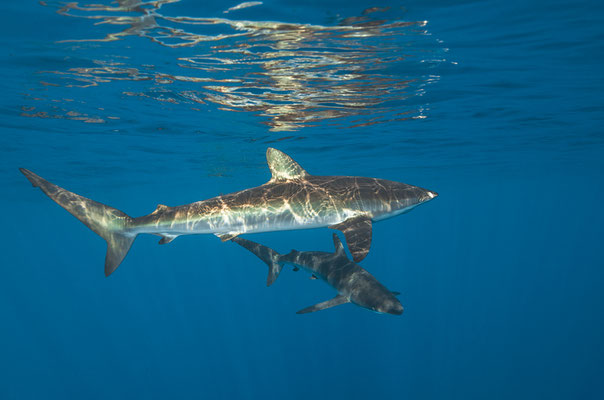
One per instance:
(291, 199)
(353, 283)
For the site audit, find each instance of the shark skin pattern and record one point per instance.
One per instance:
(353, 283)
(291, 199)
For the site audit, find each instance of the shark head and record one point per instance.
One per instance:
(403, 197)
(390, 306)
(386, 304)
(377, 298)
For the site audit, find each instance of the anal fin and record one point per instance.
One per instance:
(225, 237)
(357, 231)
(167, 238)
(336, 301)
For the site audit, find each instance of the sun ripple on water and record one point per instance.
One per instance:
(363, 70)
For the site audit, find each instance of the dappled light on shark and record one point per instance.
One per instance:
(292, 75)
(291, 199)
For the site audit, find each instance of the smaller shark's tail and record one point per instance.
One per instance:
(268, 255)
(107, 222)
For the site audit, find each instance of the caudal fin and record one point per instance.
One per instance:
(266, 254)
(109, 223)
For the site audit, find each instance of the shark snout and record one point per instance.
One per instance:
(396, 309)
(428, 195)
(391, 306)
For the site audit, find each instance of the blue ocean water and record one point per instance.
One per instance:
(496, 105)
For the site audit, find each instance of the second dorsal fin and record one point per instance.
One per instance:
(160, 208)
(282, 166)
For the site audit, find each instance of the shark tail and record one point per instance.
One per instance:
(109, 223)
(266, 254)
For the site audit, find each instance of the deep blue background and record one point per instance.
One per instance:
(501, 277)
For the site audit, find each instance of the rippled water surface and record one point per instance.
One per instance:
(343, 71)
(496, 105)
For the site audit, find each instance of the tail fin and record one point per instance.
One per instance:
(268, 255)
(107, 222)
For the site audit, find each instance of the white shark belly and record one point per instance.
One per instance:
(381, 215)
(276, 222)
(238, 223)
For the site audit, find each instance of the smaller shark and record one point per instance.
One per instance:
(353, 283)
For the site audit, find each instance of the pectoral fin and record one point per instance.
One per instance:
(357, 231)
(336, 301)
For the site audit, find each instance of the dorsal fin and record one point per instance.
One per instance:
(282, 166)
(337, 243)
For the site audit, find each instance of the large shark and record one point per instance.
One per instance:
(353, 283)
(291, 199)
